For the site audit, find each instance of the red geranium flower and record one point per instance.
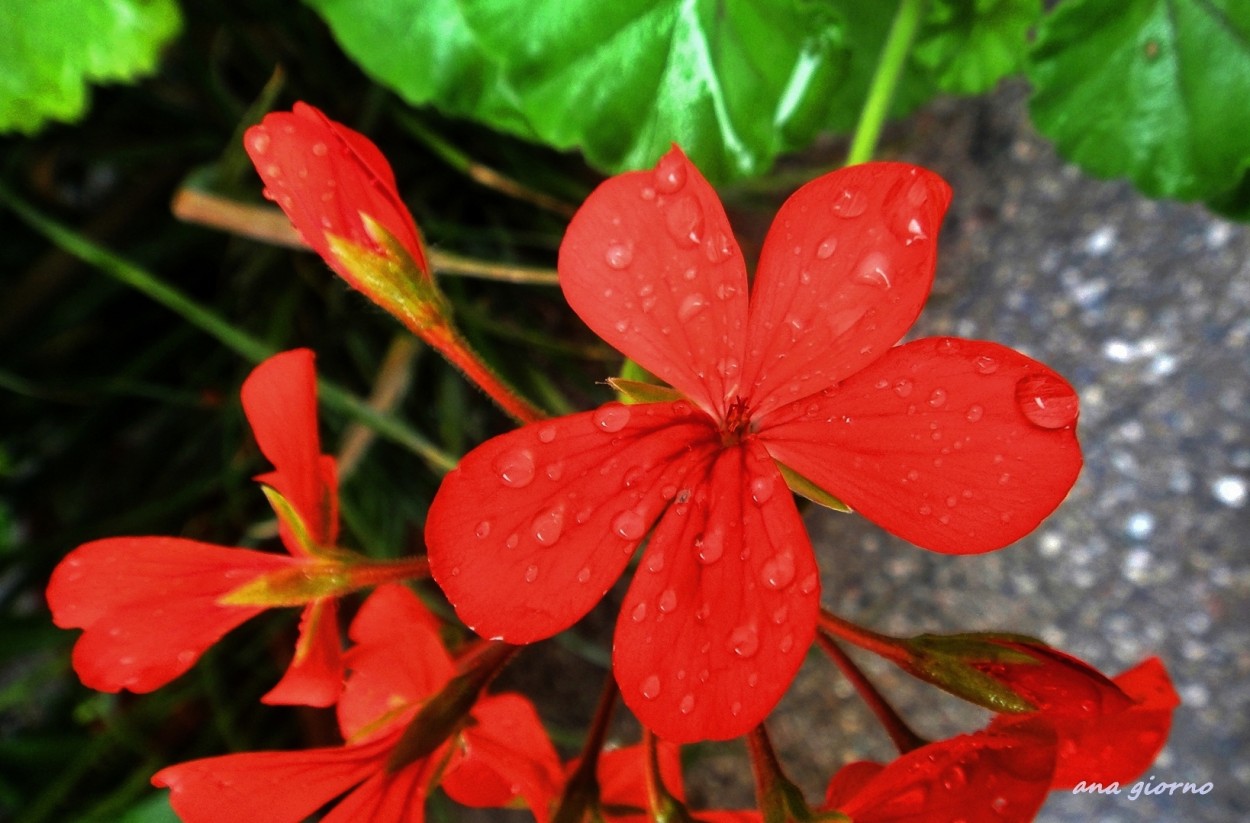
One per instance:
(959, 446)
(150, 606)
(499, 756)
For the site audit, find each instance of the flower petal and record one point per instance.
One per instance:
(959, 446)
(149, 605)
(536, 525)
(315, 674)
(723, 607)
(505, 756)
(977, 778)
(324, 176)
(845, 270)
(268, 787)
(650, 263)
(397, 661)
(280, 400)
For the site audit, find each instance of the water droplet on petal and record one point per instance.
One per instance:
(583, 576)
(938, 398)
(744, 641)
(687, 704)
(786, 644)
(736, 708)
(780, 614)
(683, 218)
(515, 468)
(778, 572)
(985, 364)
(651, 687)
(670, 174)
(612, 418)
(809, 583)
(619, 256)
(851, 203)
(258, 141)
(710, 546)
(718, 248)
(954, 778)
(690, 306)
(546, 434)
(903, 387)
(874, 270)
(668, 601)
(273, 170)
(629, 525)
(513, 540)
(655, 562)
(482, 530)
(531, 574)
(548, 526)
(320, 149)
(975, 413)
(762, 489)
(639, 613)
(1047, 401)
(728, 367)
(827, 247)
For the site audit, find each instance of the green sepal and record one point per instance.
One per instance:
(292, 520)
(943, 661)
(392, 279)
(802, 486)
(633, 391)
(294, 586)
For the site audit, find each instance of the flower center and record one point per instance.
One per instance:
(737, 422)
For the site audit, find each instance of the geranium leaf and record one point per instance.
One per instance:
(1142, 89)
(51, 50)
(966, 46)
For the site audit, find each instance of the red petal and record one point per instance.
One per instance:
(324, 176)
(149, 605)
(942, 442)
(623, 774)
(268, 787)
(387, 798)
(398, 661)
(315, 675)
(505, 755)
(844, 271)
(977, 778)
(848, 782)
(650, 263)
(280, 400)
(536, 525)
(723, 607)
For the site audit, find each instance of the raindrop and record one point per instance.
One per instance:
(259, 141)
(651, 687)
(780, 615)
(547, 527)
(1047, 401)
(718, 248)
(546, 434)
(762, 489)
(639, 613)
(687, 704)
(851, 203)
(975, 413)
(629, 525)
(736, 708)
(753, 679)
(186, 656)
(954, 778)
(874, 270)
(583, 576)
(683, 219)
(787, 643)
(809, 583)
(710, 546)
(744, 641)
(670, 174)
(619, 256)
(320, 149)
(985, 364)
(555, 470)
(668, 601)
(513, 540)
(728, 367)
(273, 170)
(938, 398)
(655, 562)
(827, 247)
(516, 468)
(611, 418)
(482, 530)
(903, 387)
(531, 574)
(778, 572)
(690, 306)
(913, 475)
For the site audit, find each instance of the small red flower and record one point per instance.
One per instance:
(499, 757)
(327, 178)
(957, 445)
(623, 795)
(150, 606)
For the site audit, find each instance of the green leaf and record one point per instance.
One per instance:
(967, 46)
(1152, 90)
(424, 51)
(51, 49)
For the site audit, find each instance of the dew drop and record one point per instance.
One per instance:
(683, 218)
(546, 434)
(736, 708)
(710, 546)
(513, 540)
(482, 530)
(629, 525)
(728, 367)
(555, 470)
(548, 526)
(874, 270)
(718, 248)
(786, 644)
(320, 149)
(655, 562)
(778, 572)
(938, 398)
(851, 203)
(531, 574)
(753, 679)
(975, 413)
(1047, 401)
(273, 170)
(827, 247)
(670, 174)
(690, 306)
(639, 613)
(515, 468)
(668, 601)
(259, 141)
(780, 615)
(583, 576)
(809, 583)
(762, 489)
(744, 641)
(612, 418)
(954, 778)
(903, 387)
(985, 364)
(651, 687)
(186, 656)
(619, 256)
(687, 704)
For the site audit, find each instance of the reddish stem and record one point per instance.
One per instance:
(582, 788)
(377, 572)
(904, 738)
(444, 339)
(882, 645)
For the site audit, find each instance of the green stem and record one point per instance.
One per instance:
(885, 80)
(218, 327)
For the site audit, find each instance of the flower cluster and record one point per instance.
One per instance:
(791, 381)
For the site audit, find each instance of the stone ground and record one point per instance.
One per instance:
(1145, 307)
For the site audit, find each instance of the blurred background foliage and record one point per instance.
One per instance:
(120, 412)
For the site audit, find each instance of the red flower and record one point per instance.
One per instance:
(500, 756)
(327, 178)
(960, 446)
(152, 605)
